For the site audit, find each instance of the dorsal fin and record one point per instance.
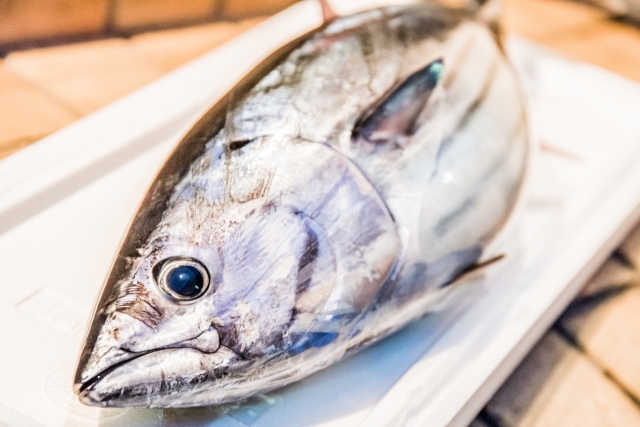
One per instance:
(489, 13)
(397, 111)
(328, 14)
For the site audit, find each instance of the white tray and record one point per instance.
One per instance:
(65, 202)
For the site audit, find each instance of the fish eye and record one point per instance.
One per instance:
(182, 279)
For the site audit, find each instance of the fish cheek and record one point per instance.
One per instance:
(257, 323)
(256, 299)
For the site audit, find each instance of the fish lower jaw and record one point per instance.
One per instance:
(157, 379)
(207, 341)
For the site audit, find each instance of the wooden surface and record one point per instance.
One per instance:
(43, 19)
(577, 30)
(131, 14)
(42, 90)
(584, 372)
(557, 385)
(34, 23)
(27, 113)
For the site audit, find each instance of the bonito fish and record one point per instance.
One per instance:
(314, 210)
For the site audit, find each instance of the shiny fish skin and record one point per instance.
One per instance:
(328, 207)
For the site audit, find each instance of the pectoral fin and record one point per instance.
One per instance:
(395, 114)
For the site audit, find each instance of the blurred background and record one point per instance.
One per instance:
(29, 23)
(63, 59)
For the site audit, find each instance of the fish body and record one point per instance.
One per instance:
(315, 210)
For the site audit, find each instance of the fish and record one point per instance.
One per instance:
(317, 208)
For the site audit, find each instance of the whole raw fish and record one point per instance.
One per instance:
(316, 209)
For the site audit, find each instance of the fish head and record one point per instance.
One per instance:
(264, 256)
(246, 278)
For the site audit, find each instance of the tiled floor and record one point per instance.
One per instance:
(584, 372)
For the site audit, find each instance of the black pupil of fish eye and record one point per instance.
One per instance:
(185, 280)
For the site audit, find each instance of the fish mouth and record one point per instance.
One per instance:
(158, 378)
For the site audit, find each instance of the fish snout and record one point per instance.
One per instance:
(157, 379)
(138, 376)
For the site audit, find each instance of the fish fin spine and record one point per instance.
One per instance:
(474, 268)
